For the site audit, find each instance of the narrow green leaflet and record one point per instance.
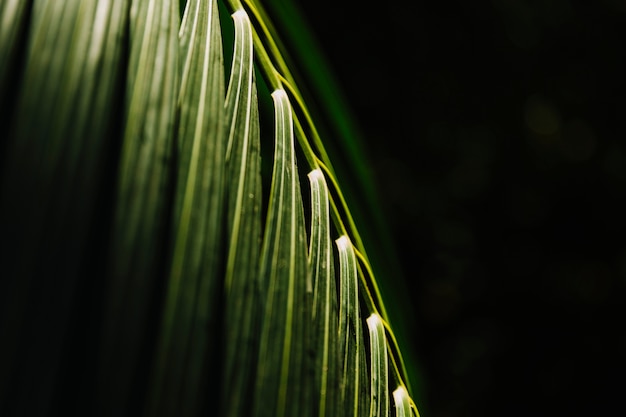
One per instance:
(379, 376)
(53, 172)
(280, 382)
(243, 184)
(143, 200)
(324, 335)
(402, 402)
(353, 390)
(189, 327)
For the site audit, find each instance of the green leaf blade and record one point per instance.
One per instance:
(280, 385)
(379, 403)
(184, 351)
(324, 339)
(241, 286)
(354, 390)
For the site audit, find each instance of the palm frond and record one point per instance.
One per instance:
(132, 193)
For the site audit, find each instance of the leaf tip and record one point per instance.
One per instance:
(343, 243)
(374, 321)
(403, 403)
(239, 14)
(279, 94)
(316, 175)
(400, 394)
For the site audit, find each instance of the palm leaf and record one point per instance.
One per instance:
(324, 340)
(353, 389)
(241, 281)
(151, 217)
(185, 345)
(379, 389)
(283, 278)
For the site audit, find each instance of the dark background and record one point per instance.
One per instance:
(497, 136)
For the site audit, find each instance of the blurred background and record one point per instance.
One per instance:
(496, 133)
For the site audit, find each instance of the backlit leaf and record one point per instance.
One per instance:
(379, 404)
(402, 402)
(241, 284)
(280, 382)
(354, 391)
(324, 318)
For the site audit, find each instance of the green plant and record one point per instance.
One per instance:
(140, 276)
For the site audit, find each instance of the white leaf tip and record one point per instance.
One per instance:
(343, 243)
(279, 93)
(239, 14)
(403, 403)
(400, 393)
(374, 320)
(316, 175)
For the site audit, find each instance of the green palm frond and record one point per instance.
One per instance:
(147, 271)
